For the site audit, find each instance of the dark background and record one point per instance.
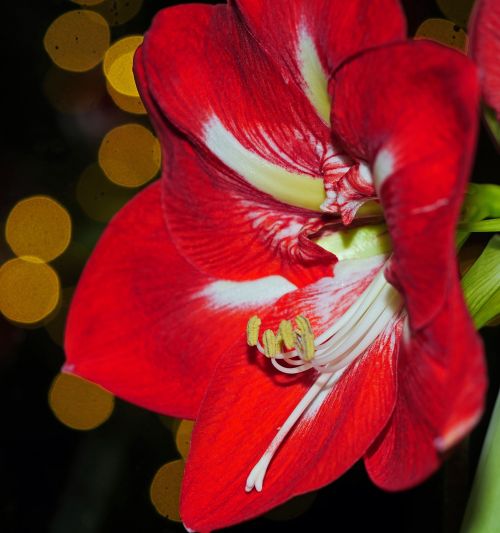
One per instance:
(58, 480)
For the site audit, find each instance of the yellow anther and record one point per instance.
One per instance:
(308, 348)
(270, 343)
(305, 342)
(286, 334)
(253, 327)
(303, 325)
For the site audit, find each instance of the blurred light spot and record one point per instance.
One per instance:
(78, 403)
(456, 10)
(55, 328)
(77, 40)
(118, 12)
(38, 226)
(166, 488)
(171, 423)
(87, 2)
(29, 290)
(130, 155)
(118, 64)
(292, 508)
(97, 196)
(130, 104)
(183, 437)
(444, 32)
(70, 92)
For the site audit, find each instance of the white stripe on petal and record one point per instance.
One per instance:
(382, 168)
(292, 188)
(242, 294)
(313, 75)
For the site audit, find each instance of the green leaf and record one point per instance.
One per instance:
(484, 226)
(482, 513)
(481, 284)
(493, 124)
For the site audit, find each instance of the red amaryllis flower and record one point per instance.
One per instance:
(485, 48)
(310, 193)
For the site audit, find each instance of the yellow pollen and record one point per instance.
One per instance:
(307, 345)
(303, 325)
(286, 334)
(305, 342)
(253, 327)
(270, 343)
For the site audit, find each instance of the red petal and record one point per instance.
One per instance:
(148, 326)
(485, 48)
(226, 229)
(336, 28)
(229, 235)
(210, 78)
(441, 388)
(247, 402)
(417, 131)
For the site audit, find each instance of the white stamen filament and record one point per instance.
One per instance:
(349, 336)
(255, 479)
(336, 348)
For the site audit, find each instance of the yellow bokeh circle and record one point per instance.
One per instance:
(130, 104)
(456, 10)
(77, 40)
(130, 155)
(78, 403)
(38, 226)
(29, 290)
(292, 508)
(166, 488)
(183, 437)
(87, 2)
(444, 32)
(118, 65)
(118, 12)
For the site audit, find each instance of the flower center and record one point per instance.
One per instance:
(297, 349)
(293, 350)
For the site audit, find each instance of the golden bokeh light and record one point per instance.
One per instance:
(87, 2)
(130, 104)
(292, 508)
(38, 226)
(118, 12)
(183, 437)
(165, 489)
(130, 155)
(118, 65)
(456, 10)
(78, 403)
(171, 423)
(77, 40)
(29, 290)
(98, 197)
(71, 92)
(444, 32)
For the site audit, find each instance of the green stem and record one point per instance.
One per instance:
(482, 513)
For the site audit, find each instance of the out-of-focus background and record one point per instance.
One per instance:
(76, 146)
